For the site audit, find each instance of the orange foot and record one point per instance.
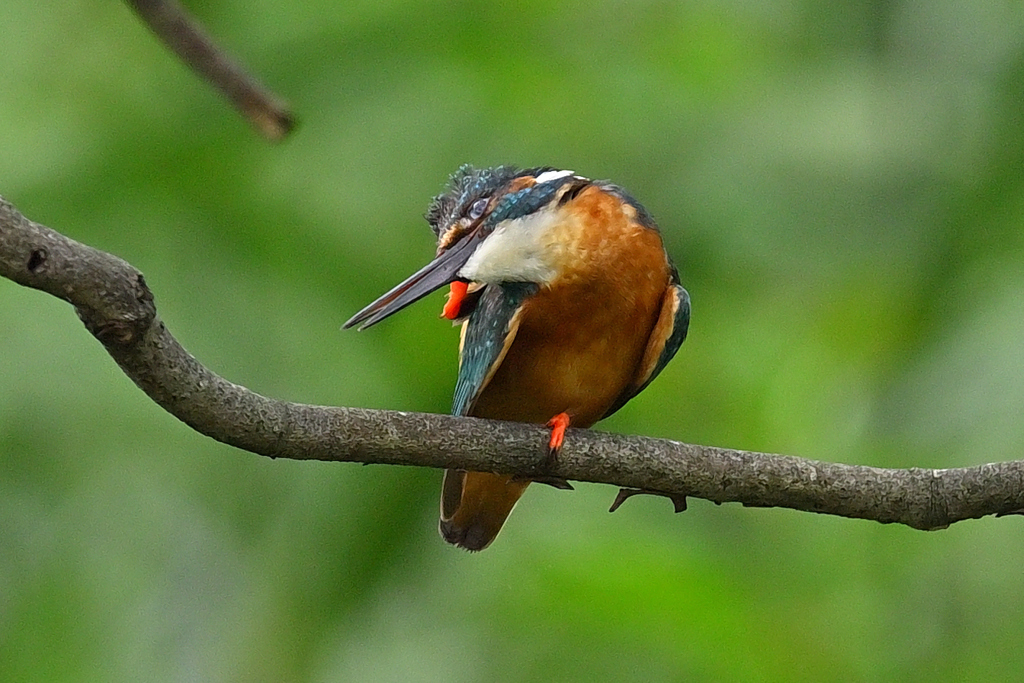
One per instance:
(455, 298)
(558, 424)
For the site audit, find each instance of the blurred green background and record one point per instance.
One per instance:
(841, 184)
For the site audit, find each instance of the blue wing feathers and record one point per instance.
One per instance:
(487, 329)
(679, 330)
(490, 323)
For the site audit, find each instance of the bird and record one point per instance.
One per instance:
(569, 306)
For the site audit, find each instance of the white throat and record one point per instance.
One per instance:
(519, 250)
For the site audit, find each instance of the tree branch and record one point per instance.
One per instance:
(187, 39)
(112, 299)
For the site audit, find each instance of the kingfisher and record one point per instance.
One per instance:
(569, 307)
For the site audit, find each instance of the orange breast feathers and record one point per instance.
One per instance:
(581, 338)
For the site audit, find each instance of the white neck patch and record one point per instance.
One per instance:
(552, 175)
(518, 250)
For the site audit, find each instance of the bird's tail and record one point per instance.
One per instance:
(474, 505)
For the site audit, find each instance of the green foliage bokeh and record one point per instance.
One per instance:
(841, 184)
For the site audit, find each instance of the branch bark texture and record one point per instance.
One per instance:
(112, 299)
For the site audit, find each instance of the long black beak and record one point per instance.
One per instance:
(434, 275)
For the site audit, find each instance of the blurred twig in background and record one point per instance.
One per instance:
(183, 35)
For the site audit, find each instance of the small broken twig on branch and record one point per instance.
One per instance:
(112, 299)
(186, 38)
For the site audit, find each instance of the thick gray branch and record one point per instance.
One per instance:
(186, 38)
(115, 304)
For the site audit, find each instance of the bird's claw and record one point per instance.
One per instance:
(678, 500)
(556, 482)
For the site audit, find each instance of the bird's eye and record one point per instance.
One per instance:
(477, 208)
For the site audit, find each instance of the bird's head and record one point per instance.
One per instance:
(492, 225)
